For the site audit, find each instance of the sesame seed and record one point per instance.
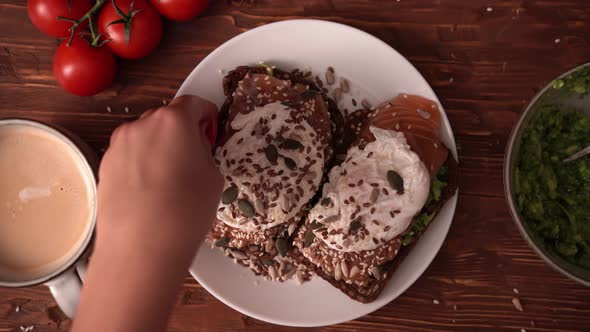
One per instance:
(489, 9)
(109, 109)
(435, 301)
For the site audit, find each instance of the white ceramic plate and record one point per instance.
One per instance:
(377, 72)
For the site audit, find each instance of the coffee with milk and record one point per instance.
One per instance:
(46, 202)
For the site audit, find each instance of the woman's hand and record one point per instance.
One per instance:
(158, 184)
(157, 195)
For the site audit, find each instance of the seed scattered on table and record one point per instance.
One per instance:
(517, 304)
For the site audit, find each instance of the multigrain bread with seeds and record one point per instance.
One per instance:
(381, 199)
(276, 135)
(296, 77)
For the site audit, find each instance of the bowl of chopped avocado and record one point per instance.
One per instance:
(548, 197)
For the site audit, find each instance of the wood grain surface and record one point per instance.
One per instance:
(484, 58)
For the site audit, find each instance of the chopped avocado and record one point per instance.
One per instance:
(576, 82)
(424, 218)
(553, 197)
(418, 226)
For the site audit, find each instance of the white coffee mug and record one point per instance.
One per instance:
(65, 281)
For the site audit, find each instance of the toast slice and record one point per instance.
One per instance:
(277, 130)
(358, 253)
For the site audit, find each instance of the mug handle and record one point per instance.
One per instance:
(66, 290)
(82, 269)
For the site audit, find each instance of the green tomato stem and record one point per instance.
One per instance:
(92, 32)
(87, 16)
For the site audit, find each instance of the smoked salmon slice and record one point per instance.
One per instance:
(420, 121)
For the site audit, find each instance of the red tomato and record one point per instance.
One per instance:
(82, 69)
(144, 24)
(44, 13)
(180, 10)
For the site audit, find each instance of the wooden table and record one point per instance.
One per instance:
(484, 58)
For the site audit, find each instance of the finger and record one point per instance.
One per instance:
(209, 128)
(202, 113)
(147, 113)
(102, 168)
(192, 103)
(117, 133)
